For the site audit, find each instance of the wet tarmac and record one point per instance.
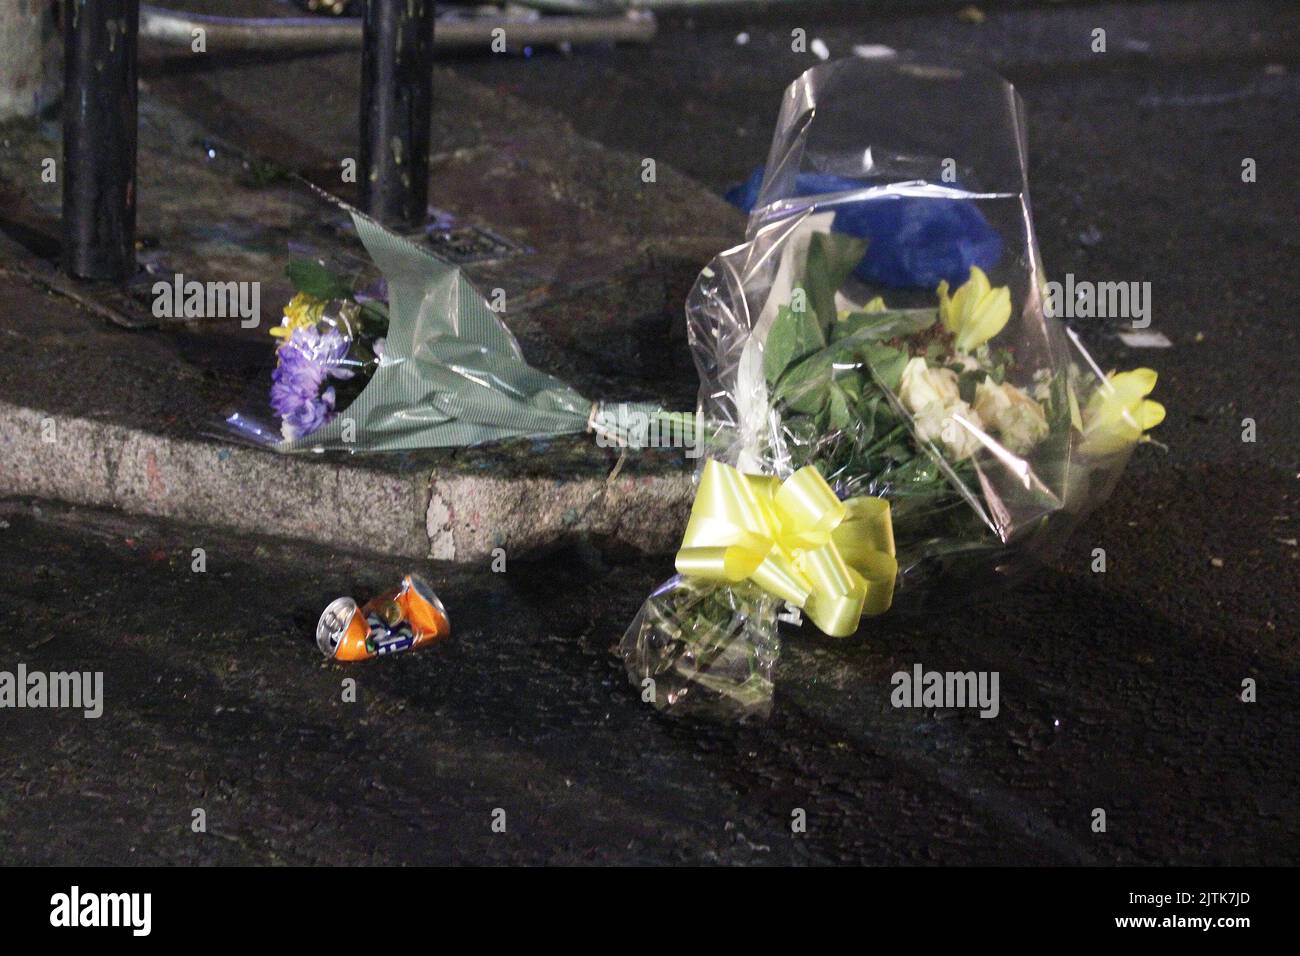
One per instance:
(1120, 691)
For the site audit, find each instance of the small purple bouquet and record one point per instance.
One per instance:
(330, 342)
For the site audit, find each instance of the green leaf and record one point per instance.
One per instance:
(840, 408)
(374, 318)
(1058, 403)
(876, 326)
(793, 337)
(916, 475)
(887, 363)
(832, 257)
(804, 387)
(314, 279)
(852, 383)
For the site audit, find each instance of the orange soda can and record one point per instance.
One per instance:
(399, 620)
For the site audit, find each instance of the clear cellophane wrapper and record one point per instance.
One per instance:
(827, 339)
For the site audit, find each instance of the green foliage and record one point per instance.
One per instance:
(833, 380)
(793, 337)
(374, 318)
(314, 279)
(796, 334)
(880, 326)
(831, 259)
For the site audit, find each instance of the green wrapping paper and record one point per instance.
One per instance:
(452, 374)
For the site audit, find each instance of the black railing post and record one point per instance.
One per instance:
(396, 96)
(99, 137)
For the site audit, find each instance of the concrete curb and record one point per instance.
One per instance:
(413, 514)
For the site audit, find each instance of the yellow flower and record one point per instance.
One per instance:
(1119, 412)
(875, 305)
(976, 312)
(303, 310)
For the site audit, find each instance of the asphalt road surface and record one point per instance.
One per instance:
(1117, 692)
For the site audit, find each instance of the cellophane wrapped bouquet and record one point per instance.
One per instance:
(891, 417)
(416, 359)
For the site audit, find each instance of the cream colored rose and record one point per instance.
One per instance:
(923, 385)
(1017, 418)
(940, 416)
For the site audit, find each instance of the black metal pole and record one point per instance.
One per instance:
(396, 96)
(99, 137)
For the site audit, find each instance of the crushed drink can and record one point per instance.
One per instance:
(399, 620)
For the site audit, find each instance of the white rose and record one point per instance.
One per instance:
(1042, 385)
(955, 428)
(932, 396)
(1019, 420)
(991, 400)
(923, 385)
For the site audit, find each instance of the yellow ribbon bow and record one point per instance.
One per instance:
(795, 540)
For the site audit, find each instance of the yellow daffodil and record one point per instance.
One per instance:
(976, 312)
(1119, 412)
(303, 310)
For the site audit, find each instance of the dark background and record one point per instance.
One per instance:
(1118, 691)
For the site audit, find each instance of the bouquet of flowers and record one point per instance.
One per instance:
(417, 360)
(330, 342)
(892, 418)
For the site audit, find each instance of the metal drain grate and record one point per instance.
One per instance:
(468, 244)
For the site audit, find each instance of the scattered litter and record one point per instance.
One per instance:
(742, 39)
(1272, 84)
(971, 14)
(1090, 236)
(873, 51)
(4, 525)
(818, 46)
(1275, 69)
(1216, 562)
(1145, 340)
(399, 620)
(1136, 46)
(41, 641)
(1200, 337)
(1289, 542)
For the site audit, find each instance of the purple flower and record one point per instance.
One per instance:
(306, 361)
